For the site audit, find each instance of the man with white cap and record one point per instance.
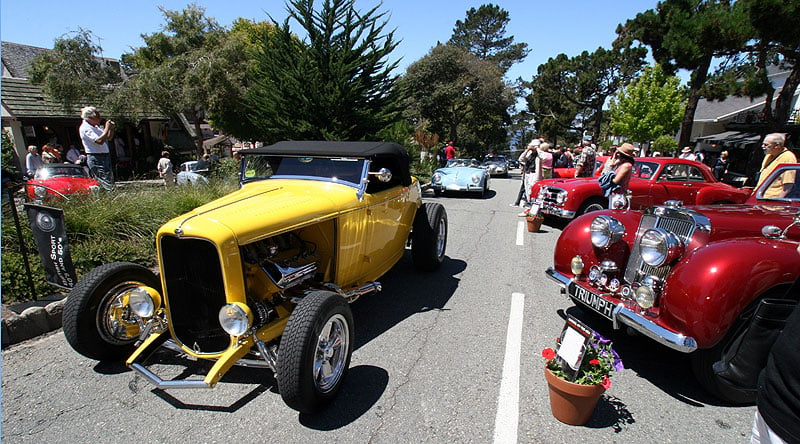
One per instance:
(527, 166)
(95, 142)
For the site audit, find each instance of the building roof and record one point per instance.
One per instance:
(24, 100)
(17, 59)
(717, 111)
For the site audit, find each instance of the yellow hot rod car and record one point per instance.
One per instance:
(264, 275)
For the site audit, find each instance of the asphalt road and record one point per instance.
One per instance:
(443, 357)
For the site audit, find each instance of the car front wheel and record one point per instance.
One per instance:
(98, 322)
(315, 351)
(429, 238)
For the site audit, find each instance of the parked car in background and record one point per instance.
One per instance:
(689, 278)
(569, 173)
(497, 165)
(513, 163)
(263, 276)
(655, 180)
(461, 175)
(194, 172)
(60, 180)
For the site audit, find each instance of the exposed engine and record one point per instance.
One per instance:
(286, 259)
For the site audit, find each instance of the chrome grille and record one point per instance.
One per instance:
(550, 194)
(677, 221)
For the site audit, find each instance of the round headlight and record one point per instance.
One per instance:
(437, 177)
(40, 191)
(94, 188)
(235, 318)
(645, 296)
(658, 247)
(144, 301)
(475, 178)
(606, 231)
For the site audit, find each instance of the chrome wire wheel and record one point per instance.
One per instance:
(441, 237)
(331, 353)
(115, 321)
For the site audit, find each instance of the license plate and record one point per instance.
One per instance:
(592, 300)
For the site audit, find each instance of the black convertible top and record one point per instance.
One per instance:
(383, 154)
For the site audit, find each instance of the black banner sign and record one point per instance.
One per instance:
(51, 240)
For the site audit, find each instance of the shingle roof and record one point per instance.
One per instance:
(18, 58)
(25, 100)
(715, 111)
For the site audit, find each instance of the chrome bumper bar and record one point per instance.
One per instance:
(623, 315)
(552, 210)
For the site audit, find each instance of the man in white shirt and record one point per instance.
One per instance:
(95, 142)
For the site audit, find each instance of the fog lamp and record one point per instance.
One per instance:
(576, 265)
(235, 318)
(144, 301)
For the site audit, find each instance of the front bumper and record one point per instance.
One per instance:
(623, 315)
(456, 187)
(554, 210)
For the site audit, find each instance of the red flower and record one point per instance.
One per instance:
(606, 383)
(594, 362)
(548, 353)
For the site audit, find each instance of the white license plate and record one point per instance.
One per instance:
(592, 300)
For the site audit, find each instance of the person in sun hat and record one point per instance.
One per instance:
(686, 153)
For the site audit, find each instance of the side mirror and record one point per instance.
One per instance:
(384, 175)
(771, 232)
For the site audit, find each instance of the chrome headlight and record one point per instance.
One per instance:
(437, 177)
(606, 231)
(94, 188)
(40, 191)
(542, 193)
(144, 301)
(235, 318)
(658, 247)
(476, 179)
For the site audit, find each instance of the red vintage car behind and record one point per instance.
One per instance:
(58, 180)
(689, 278)
(655, 180)
(569, 173)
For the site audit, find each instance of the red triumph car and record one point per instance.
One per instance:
(655, 180)
(57, 180)
(690, 278)
(569, 173)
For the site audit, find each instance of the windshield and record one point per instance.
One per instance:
(463, 163)
(260, 167)
(61, 171)
(781, 185)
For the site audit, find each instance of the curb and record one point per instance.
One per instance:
(31, 322)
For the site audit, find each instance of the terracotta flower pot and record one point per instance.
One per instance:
(534, 223)
(572, 403)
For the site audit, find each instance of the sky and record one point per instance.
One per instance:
(548, 27)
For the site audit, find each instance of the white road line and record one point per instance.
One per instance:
(507, 420)
(521, 227)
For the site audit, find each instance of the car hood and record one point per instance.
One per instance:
(459, 171)
(65, 185)
(745, 220)
(264, 207)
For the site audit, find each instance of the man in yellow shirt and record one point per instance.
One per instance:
(775, 153)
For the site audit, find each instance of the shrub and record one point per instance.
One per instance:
(664, 145)
(117, 226)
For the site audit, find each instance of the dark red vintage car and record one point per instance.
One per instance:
(690, 278)
(655, 180)
(569, 173)
(58, 180)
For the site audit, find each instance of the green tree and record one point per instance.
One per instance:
(649, 107)
(72, 73)
(483, 33)
(585, 81)
(178, 69)
(334, 85)
(765, 23)
(462, 97)
(687, 34)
